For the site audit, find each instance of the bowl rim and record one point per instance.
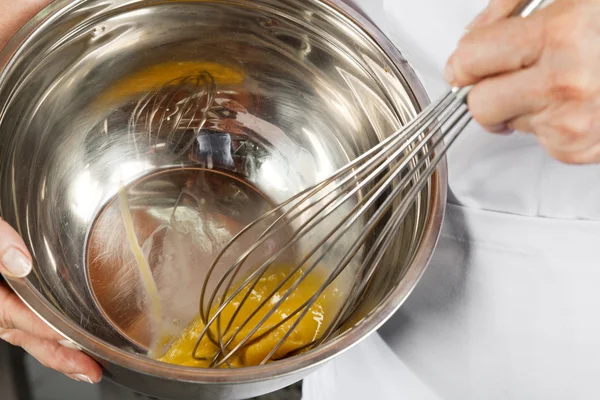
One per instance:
(103, 351)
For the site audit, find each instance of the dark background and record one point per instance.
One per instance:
(23, 378)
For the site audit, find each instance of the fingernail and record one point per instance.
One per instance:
(499, 129)
(81, 378)
(449, 73)
(68, 344)
(505, 132)
(16, 263)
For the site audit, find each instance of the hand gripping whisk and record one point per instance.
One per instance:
(356, 213)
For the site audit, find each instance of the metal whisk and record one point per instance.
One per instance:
(385, 183)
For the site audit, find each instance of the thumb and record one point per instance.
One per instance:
(495, 11)
(15, 260)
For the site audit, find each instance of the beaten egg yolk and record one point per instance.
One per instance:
(158, 75)
(261, 343)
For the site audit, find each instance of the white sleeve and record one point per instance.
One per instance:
(370, 370)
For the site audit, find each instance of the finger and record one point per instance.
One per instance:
(504, 46)
(52, 355)
(15, 260)
(569, 132)
(590, 155)
(572, 126)
(496, 100)
(522, 124)
(14, 314)
(496, 10)
(499, 129)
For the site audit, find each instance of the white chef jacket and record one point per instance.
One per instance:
(509, 307)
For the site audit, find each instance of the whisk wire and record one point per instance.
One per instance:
(311, 191)
(390, 227)
(308, 195)
(375, 256)
(455, 101)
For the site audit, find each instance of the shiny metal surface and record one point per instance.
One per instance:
(357, 221)
(302, 87)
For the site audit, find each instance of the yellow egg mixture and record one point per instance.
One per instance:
(310, 328)
(161, 74)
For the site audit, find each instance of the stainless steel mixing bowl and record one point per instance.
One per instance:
(303, 86)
